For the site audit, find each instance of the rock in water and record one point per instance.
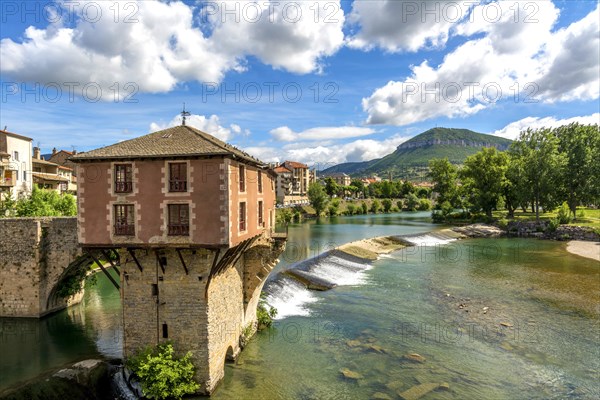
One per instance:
(348, 374)
(416, 392)
(444, 386)
(414, 357)
(380, 396)
(311, 282)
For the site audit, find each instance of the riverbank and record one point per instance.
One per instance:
(584, 249)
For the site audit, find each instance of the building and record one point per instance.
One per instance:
(340, 178)
(15, 164)
(192, 220)
(61, 157)
(293, 180)
(48, 175)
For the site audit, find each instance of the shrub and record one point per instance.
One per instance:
(333, 208)
(424, 205)
(46, 203)
(375, 206)
(400, 204)
(364, 207)
(502, 223)
(350, 208)
(412, 202)
(553, 224)
(265, 313)
(161, 374)
(564, 214)
(284, 216)
(387, 205)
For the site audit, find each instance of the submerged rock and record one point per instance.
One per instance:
(353, 343)
(380, 396)
(444, 386)
(349, 374)
(414, 357)
(416, 392)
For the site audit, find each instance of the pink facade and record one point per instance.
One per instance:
(180, 202)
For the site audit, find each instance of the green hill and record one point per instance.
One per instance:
(412, 157)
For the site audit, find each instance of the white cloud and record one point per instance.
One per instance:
(512, 130)
(166, 45)
(326, 154)
(403, 25)
(510, 59)
(211, 125)
(285, 134)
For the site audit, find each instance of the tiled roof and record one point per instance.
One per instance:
(43, 162)
(282, 170)
(295, 164)
(172, 142)
(49, 177)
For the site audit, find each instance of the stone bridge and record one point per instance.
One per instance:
(36, 254)
(202, 299)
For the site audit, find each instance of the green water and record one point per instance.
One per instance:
(411, 303)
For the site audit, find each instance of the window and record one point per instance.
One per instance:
(260, 214)
(259, 181)
(16, 155)
(242, 178)
(242, 216)
(177, 177)
(179, 220)
(123, 178)
(165, 331)
(124, 220)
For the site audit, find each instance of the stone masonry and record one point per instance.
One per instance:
(35, 253)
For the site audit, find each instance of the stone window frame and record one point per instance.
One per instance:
(165, 171)
(128, 184)
(130, 213)
(170, 180)
(186, 231)
(243, 222)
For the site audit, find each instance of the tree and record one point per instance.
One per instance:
(537, 151)
(331, 187)
(46, 203)
(364, 207)
(444, 176)
(387, 205)
(350, 208)
(483, 178)
(334, 206)
(317, 197)
(412, 202)
(580, 145)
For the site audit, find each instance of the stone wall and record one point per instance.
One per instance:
(541, 230)
(177, 306)
(34, 255)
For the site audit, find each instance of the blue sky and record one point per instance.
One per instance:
(315, 81)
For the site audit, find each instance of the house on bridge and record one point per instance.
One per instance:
(191, 219)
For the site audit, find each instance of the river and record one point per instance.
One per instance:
(492, 318)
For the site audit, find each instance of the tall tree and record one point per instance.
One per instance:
(483, 177)
(444, 177)
(580, 145)
(542, 163)
(317, 197)
(331, 187)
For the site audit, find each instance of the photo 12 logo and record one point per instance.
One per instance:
(68, 12)
(53, 92)
(271, 92)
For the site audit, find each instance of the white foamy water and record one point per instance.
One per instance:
(289, 297)
(428, 240)
(339, 271)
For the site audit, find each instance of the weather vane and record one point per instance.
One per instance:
(184, 114)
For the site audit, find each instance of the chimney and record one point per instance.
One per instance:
(74, 151)
(36, 153)
(54, 151)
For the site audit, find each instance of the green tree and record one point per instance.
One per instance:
(424, 205)
(375, 206)
(334, 206)
(364, 207)
(579, 176)
(412, 202)
(483, 178)
(331, 187)
(400, 204)
(162, 375)
(350, 208)
(46, 203)
(317, 197)
(387, 205)
(444, 176)
(537, 151)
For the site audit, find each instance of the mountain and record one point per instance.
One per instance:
(412, 157)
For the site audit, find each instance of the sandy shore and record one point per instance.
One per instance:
(584, 249)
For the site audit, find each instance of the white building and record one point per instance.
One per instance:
(15, 164)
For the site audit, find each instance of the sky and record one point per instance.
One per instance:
(321, 82)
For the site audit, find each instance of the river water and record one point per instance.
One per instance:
(493, 318)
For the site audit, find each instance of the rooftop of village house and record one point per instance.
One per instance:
(177, 141)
